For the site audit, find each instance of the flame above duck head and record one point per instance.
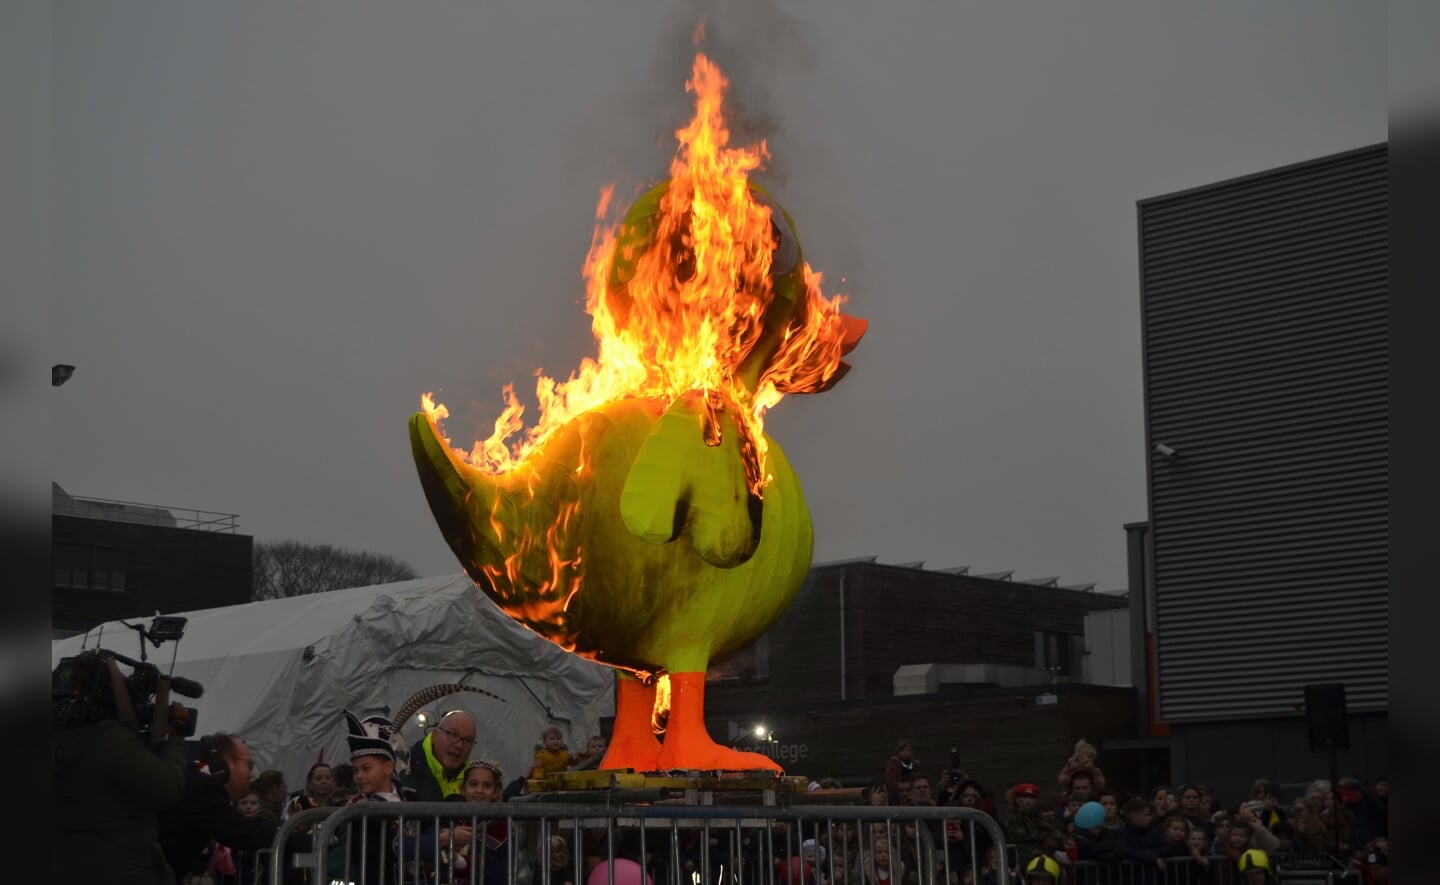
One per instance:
(700, 287)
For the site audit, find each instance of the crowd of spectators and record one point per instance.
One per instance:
(1086, 824)
(1077, 830)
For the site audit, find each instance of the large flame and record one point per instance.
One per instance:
(694, 309)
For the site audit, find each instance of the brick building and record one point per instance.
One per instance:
(870, 653)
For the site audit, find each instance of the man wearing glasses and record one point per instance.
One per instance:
(206, 810)
(437, 771)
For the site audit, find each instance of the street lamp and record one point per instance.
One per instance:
(59, 374)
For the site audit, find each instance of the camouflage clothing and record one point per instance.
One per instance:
(1032, 834)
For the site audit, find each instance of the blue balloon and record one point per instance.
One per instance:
(1090, 815)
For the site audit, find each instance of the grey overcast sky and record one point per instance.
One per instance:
(276, 225)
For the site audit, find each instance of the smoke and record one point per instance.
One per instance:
(759, 47)
(755, 43)
(767, 53)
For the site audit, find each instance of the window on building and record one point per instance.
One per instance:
(72, 566)
(1057, 653)
(107, 569)
(81, 567)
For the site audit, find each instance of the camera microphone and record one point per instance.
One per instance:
(187, 687)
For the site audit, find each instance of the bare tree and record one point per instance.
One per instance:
(293, 568)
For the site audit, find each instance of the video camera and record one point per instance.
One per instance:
(90, 686)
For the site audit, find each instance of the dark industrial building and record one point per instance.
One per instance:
(871, 653)
(1261, 570)
(116, 559)
(1263, 565)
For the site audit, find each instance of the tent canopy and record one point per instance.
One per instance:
(277, 673)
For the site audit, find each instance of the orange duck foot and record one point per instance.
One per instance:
(633, 744)
(703, 754)
(688, 745)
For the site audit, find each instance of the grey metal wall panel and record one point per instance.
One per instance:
(1265, 322)
(1228, 755)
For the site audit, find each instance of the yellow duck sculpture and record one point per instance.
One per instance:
(662, 529)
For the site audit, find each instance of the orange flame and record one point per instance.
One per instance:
(696, 308)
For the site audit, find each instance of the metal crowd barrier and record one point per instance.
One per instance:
(751, 844)
(392, 843)
(296, 826)
(1210, 870)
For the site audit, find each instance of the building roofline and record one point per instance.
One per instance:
(864, 560)
(1273, 172)
(1089, 588)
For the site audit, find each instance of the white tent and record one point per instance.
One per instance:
(277, 673)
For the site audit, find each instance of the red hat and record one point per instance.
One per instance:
(1028, 790)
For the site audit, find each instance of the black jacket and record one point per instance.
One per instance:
(1101, 847)
(1142, 846)
(108, 785)
(205, 813)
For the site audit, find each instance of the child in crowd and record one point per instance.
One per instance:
(239, 866)
(1110, 801)
(560, 870)
(804, 868)
(1237, 843)
(1198, 843)
(594, 752)
(879, 866)
(482, 784)
(899, 769)
(1028, 829)
(1177, 833)
(1139, 842)
(371, 846)
(1082, 759)
(249, 804)
(1255, 867)
(552, 755)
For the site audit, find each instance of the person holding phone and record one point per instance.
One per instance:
(1248, 816)
(951, 779)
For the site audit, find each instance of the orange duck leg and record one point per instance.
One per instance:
(633, 744)
(687, 742)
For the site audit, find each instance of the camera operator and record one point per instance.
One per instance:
(207, 810)
(109, 779)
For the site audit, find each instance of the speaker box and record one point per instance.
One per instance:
(1325, 708)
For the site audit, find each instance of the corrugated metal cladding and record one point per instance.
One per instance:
(1264, 304)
